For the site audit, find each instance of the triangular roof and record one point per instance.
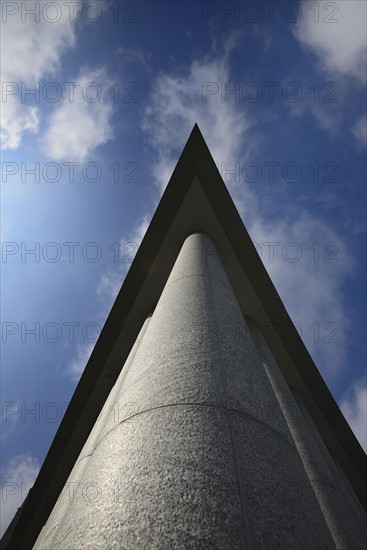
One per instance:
(196, 199)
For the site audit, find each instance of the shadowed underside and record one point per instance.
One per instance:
(205, 396)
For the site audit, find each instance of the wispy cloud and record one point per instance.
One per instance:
(16, 120)
(112, 279)
(336, 33)
(135, 55)
(310, 287)
(359, 131)
(80, 125)
(181, 98)
(77, 364)
(25, 62)
(354, 408)
(107, 289)
(109, 285)
(17, 477)
(9, 418)
(42, 45)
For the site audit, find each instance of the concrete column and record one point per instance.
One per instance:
(73, 484)
(206, 460)
(358, 525)
(339, 512)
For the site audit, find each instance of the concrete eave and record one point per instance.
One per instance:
(196, 199)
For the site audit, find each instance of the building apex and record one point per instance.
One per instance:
(196, 199)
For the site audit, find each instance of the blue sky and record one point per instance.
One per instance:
(278, 90)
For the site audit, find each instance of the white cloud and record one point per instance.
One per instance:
(354, 408)
(310, 287)
(30, 51)
(135, 55)
(139, 230)
(17, 478)
(107, 289)
(109, 285)
(41, 46)
(9, 418)
(82, 121)
(111, 280)
(78, 363)
(336, 33)
(16, 119)
(180, 100)
(359, 131)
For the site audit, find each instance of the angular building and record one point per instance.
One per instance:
(200, 420)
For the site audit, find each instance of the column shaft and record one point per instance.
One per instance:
(325, 480)
(206, 459)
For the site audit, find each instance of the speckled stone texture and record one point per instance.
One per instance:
(196, 452)
(345, 518)
(48, 533)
